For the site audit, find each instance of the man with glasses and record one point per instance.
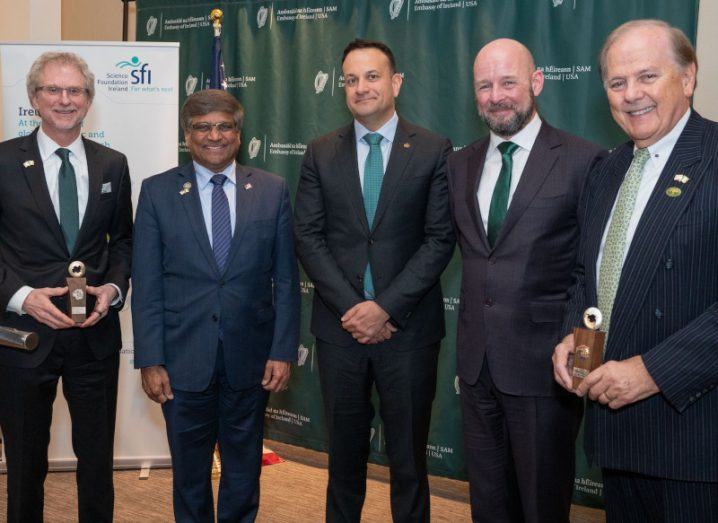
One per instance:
(63, 198)
(215, 308)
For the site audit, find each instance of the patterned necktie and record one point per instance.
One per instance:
(221, 222)
(615, 246)
(69, 212)
(373, 175)
(500, 197)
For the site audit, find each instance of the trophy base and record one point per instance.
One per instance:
(588, 354)
(77, 299)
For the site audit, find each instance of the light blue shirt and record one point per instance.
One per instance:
(205, 187)
(388, 130)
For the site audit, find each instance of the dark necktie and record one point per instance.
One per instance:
(221, 222)
(69, 213)
(500, 198)
(373, 176)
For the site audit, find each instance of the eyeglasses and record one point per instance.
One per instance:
(206, 127)
(72, 92)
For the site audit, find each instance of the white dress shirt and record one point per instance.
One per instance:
(51, 164)
(525, 139)
(659, 153)
(388, 130)
(205, 188)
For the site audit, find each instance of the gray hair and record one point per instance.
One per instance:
(33, 76)
(682, 50)
(210, 101)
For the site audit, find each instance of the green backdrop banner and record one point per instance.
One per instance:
(283, 62)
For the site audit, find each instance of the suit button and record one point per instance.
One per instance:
(492, 261)
(360, 277)
(215, 317)
(669, 263)
(371, 241)
(659, 313)
(488, 302)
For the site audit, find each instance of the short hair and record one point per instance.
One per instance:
(682, 50)
(359, 43)
(64, 58)
(210, 101)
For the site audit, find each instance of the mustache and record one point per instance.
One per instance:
(500, 106)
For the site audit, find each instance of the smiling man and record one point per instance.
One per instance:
(649, 261)
(374, 234)
(514, 196)
(62, 198)
(215, 310)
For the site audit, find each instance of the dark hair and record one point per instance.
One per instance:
(682, 50)
(359, 43)
(210, 101)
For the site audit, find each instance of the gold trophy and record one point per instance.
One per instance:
(77, 292)
(589, 344)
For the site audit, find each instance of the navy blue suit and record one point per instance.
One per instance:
(182, 302)
(666, 310)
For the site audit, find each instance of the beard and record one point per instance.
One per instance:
(508, 127)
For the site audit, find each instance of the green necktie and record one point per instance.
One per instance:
(373, 175)
(615, 246)
(67, 185)
(500, 198)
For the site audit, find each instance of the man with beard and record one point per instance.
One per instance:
(514, 197)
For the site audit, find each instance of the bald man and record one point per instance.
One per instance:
(514, 196)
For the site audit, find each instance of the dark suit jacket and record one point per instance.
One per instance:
(32, 246)
(409, 245)
(513, 296)
(180, 299)
(666, 310)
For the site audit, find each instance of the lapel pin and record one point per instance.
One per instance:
(28, 163)
(185, 188)
(407, 145)
(247, 186)
(681, 178)
(673, 192)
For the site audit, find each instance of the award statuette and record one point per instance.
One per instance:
(77, 292)
(589, 344)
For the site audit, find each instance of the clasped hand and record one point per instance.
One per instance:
(368, 323)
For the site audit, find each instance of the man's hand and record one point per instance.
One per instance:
(367, 322)
(105, 294)
(276, 375)
(156, 383)
(38, 305)
(619, 383)
(561, 356)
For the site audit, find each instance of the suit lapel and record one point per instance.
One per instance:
(188, 194)
(32, 167)
(401, 151)
(94, 171)
(474, 169)
(540, 162)
(656, 225)
(245, 197)
(347, 172)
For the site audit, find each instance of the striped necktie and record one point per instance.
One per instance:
(221, 222)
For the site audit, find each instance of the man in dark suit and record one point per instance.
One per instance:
(514, 197)
(374, 234)
(62, 198)
(215, 309)
(649, 261)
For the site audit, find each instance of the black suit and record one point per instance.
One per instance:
(666, 310)
(33, 252)
(409, 245)
(519, 425)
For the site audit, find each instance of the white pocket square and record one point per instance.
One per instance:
(106, 188)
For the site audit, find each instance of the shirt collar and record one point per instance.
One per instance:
(204, 175)
(388, 130)
(48, 146)
(663, 147)
(525, 138)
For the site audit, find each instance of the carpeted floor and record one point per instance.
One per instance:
(292, 492)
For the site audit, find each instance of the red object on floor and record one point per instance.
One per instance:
(270, 458)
